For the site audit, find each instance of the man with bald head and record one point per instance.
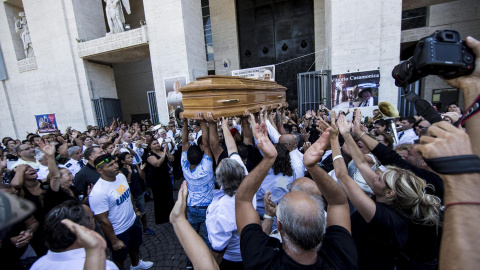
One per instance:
(307, 186)
(300, 219)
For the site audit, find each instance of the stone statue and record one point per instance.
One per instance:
(115, 17)
(21, 28)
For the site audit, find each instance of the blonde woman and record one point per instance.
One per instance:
(382, 225)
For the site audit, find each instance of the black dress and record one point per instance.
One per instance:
(159, 179)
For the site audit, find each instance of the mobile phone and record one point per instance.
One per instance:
(120, 146)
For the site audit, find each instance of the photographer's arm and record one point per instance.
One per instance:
(461, 237)
(470, 86)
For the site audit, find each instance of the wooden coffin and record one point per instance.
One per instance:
(230, 96)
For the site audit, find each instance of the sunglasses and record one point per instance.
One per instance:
(106, 161)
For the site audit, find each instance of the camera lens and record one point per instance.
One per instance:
(399, 73)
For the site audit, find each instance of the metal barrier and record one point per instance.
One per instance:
(314, 88)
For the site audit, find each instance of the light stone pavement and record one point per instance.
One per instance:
(163, 248)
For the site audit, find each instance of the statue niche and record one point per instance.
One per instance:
(21, 28)
(114, 13)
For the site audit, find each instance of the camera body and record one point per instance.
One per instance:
(442, 53)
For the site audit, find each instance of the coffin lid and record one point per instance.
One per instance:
(230, 82)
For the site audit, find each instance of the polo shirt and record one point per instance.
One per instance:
(222, 226)
(73, 166)
(72, 260)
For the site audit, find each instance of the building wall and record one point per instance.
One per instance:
(461, 15)
(322, 50)
(223, 17)
(133, 81)
(366, 40)
(193, 21)
(170, 55)
(59, 83)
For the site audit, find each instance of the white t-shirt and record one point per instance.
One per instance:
(72, 259)
(113, 197)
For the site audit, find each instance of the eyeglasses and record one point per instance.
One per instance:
(26, 149)
(107, 160)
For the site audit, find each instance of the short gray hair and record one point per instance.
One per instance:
(304, 231)
(229, 175)
(73, 149)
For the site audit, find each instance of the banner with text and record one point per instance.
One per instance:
(357, 89)
(266, 73)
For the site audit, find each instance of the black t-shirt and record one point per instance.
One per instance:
(52, 198)
(254, 157)
(259, 251)
(380, 241)
(137, 185)
(86, 176)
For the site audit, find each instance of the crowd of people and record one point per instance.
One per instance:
(265, 190)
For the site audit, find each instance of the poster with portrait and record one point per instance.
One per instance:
(174, 96)
(266, 73)
(357, 89)
(46, 123)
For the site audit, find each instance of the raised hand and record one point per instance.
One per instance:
(453, 116)
(246, 114)
(263, 142)
(357, 123)
(314, 154)
(305, 134)
(224, 123)
(88, 239)
(444, 140)
(178, 210)
(49, 150)
(142, 166)
(198, 116)
(343, 126)
(209, 118)
(270, 206)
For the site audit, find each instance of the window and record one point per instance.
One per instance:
(414, 18)
(207, 30)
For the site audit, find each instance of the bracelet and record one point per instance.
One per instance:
(361, 136)
(459, 203)
(337, 157)
(265, 216)
(471, 111)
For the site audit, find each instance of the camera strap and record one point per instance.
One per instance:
(471, 111)
(455, 164)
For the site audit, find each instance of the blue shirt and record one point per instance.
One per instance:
(278, 184)
(200, 181)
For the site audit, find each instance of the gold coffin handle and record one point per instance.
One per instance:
(280, 97)
(229, 100)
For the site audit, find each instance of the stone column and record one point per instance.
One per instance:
(223, 16)
(176, 42)
(365, 35)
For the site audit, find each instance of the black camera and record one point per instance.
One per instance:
(442, 53)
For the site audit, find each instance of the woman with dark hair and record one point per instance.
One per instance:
(158, 178)
(277, 179)
(385, 139)
(136, 180)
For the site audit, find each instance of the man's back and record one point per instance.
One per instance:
(259, 251)
(86, 176)
(200, 181)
